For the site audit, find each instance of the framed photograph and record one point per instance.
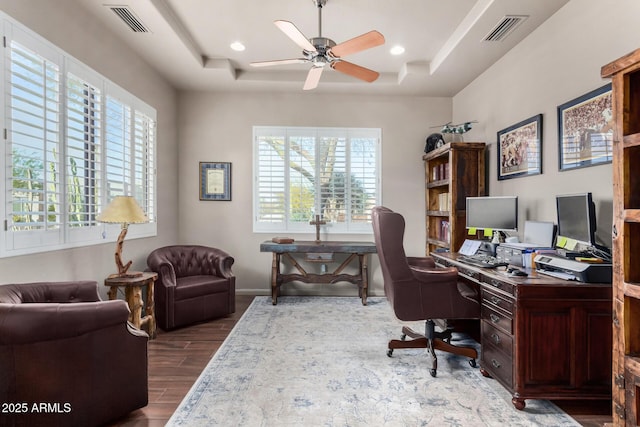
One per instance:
(520, 149)
(215, 181)
(585, 130)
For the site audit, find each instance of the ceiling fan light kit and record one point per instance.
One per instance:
(321, 51)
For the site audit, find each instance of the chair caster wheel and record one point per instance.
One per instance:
(390, 352)
(403, 337)
(473, 363)
(432, 372)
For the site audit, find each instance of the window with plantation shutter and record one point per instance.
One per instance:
(301, 172)
(73, 141)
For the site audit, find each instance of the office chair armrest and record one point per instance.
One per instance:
(435, 275)
(421, 262)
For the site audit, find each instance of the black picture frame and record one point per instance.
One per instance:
(585, 130)
(215, 181)
(520, 149)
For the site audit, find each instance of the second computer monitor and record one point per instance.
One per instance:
(493, 212)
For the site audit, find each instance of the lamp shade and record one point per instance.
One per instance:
(122, 210)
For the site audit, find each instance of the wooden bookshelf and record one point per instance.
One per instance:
(453, 172)
(625, 75)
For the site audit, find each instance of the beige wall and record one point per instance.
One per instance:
(560, 61)
(218, 127)
(78, 33)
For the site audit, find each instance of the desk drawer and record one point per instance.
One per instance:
(497, 319)
(494, 299)
(469, 273)
(503, 286)
(497, 338)
(497, 364)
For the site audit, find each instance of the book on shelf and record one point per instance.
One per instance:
(444, 234)
(444, 202)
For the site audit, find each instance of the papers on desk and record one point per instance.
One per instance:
(558, 274)
(470, 247)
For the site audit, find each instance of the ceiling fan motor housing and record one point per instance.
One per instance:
(322, 55)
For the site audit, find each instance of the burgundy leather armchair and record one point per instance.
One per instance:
(418, 290)
(195, 283)
(64, 348)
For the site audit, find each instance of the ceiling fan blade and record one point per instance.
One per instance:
(313, 78)
(355, 71)
(278, 62)
(296, 35)
(356, 44)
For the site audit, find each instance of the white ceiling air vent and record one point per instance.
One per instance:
(129, 18)
(505, 27)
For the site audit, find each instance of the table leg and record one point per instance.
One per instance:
(149, 311)
(275, 274)
(364, 272)
(113, 292)
(133, 295)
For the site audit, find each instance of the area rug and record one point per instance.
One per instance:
(321, 361)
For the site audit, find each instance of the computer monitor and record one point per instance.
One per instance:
(577, 217)
(498, 213)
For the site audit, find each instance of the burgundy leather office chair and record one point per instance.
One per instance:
(418, 290)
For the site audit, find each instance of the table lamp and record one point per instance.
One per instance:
(123, 210)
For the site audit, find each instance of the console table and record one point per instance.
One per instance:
(355, 250)
(542, 337)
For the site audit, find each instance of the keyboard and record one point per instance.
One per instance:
(482, 261)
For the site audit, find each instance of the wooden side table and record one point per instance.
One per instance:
(133, 295)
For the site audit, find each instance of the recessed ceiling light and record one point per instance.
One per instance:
(237, 46)
(397, 50)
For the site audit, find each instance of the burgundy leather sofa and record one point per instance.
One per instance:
(67, 358)
(195, 283)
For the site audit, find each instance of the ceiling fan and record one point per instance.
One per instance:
(321, 51)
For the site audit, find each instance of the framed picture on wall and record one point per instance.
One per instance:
(520, 149)
(215, 181)
(585, 130)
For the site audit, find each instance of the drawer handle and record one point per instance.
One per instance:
(496, 338)
(495, 363)
(495, 300)
(494, 318)
(495, 283)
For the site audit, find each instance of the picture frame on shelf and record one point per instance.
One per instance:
(520, 149)
(215, 181)
(585, 130)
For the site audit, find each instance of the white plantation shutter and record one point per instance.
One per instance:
(363, 177)
(302, 176)
(301, 172)
(144, 167)
(270, 196)
(332, 172)
(117, 148)
(33, 147)
(84, 150)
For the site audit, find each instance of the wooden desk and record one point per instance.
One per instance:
(542, 337)
(282, 251)
(133, 295)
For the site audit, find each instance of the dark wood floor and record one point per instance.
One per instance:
(176, 359)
